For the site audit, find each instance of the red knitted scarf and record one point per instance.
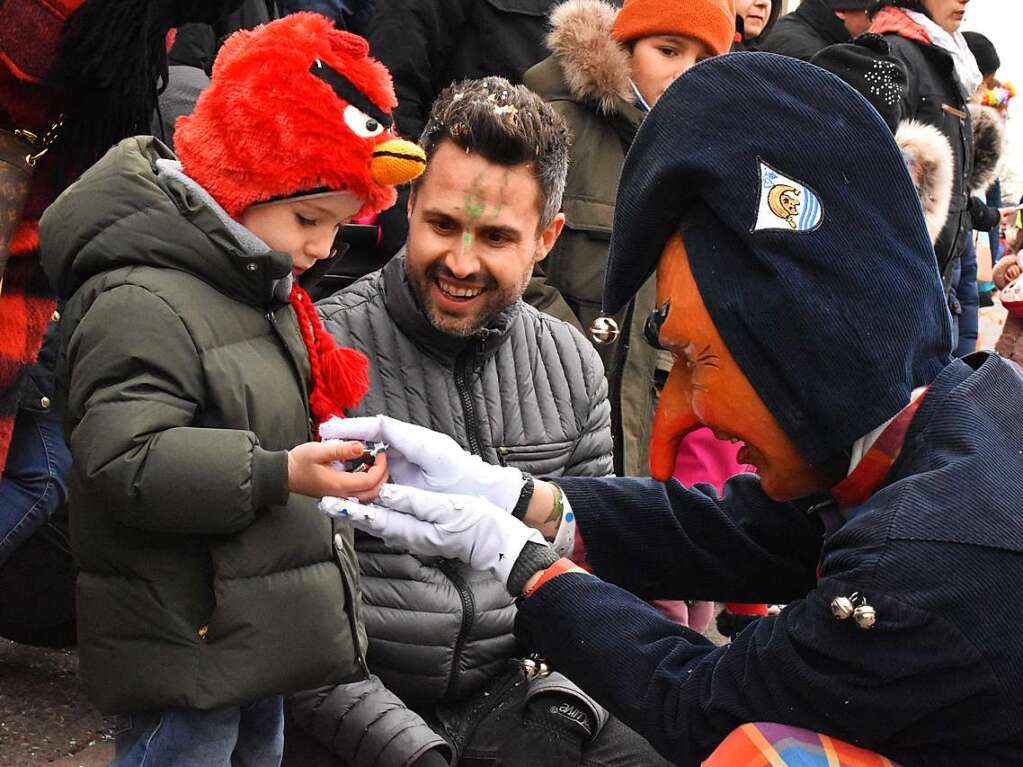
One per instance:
(339, 376)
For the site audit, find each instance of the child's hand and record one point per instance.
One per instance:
(1013, 272)
(311, 471)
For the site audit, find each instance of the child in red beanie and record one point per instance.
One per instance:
(195, 370)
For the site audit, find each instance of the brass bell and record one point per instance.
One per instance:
(535, 667)
(842, 608)
(865, 616)
(604, 330)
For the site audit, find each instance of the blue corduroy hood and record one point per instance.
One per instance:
(805, 236)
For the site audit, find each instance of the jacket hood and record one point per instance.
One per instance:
(595, 66)
(123, 212)
(988, 144)
(929, 157)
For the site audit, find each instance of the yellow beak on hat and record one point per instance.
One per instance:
(397, 161)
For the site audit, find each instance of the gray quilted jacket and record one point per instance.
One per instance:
(528, 391)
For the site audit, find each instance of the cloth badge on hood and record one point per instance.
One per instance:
(786, 203)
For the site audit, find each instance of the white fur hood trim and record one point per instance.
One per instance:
(929, 157)
(595, 66)
(988, 144)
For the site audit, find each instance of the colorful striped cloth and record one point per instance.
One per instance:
(763, 744)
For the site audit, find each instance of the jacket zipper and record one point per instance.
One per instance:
(450, 568)
(349, 592)
(462, 384)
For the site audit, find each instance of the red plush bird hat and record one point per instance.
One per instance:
(296, 107)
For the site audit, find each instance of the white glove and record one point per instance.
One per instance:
(429, 460)
(438, 525)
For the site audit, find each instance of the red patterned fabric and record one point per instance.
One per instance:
(895, 21)
(874, 466)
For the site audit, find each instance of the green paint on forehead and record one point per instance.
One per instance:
(475, 206)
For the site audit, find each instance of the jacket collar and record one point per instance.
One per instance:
(818, 15)
(404, 309)
(892, 443)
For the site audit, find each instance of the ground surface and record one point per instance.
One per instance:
(44, 716)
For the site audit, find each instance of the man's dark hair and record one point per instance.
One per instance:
(508, 125)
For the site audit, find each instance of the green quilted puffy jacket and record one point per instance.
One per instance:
(203, 582)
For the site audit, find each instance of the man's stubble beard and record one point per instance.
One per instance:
(462, 327)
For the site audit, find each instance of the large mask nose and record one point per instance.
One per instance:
(396, 162)
(674, 420)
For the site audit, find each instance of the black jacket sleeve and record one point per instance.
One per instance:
(983, 217)
(675, 542)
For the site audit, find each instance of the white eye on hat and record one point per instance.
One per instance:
(361, 124)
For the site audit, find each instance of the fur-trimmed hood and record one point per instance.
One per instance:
(988, 143)
(929, 157)
(595, 66)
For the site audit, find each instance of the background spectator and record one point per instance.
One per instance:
(816, 24)
(943, 76)
(754, 19)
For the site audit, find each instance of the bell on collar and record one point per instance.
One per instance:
(865, 616)
(854, 606)
(842, 608)
(604, 330)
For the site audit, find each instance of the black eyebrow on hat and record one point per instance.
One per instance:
(344, 88)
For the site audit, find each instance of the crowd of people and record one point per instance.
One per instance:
(409, 383)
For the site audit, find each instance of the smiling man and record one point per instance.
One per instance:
(452, 346)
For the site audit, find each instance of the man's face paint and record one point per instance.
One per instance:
(706, 387)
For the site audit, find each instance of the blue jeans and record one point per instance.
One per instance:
(236, 736)
(34, 484)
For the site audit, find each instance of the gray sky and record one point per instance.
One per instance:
(1002, 22)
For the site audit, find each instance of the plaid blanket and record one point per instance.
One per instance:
(763, 744)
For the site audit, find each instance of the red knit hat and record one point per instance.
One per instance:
(710, 21)
(296, 107)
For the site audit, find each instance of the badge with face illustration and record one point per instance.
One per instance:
(785, 203)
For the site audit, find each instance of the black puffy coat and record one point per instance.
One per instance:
(428, 44)
(810, 28)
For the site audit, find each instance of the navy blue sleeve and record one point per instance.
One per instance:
(884, 689)
(966, 292)
(665, 541)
